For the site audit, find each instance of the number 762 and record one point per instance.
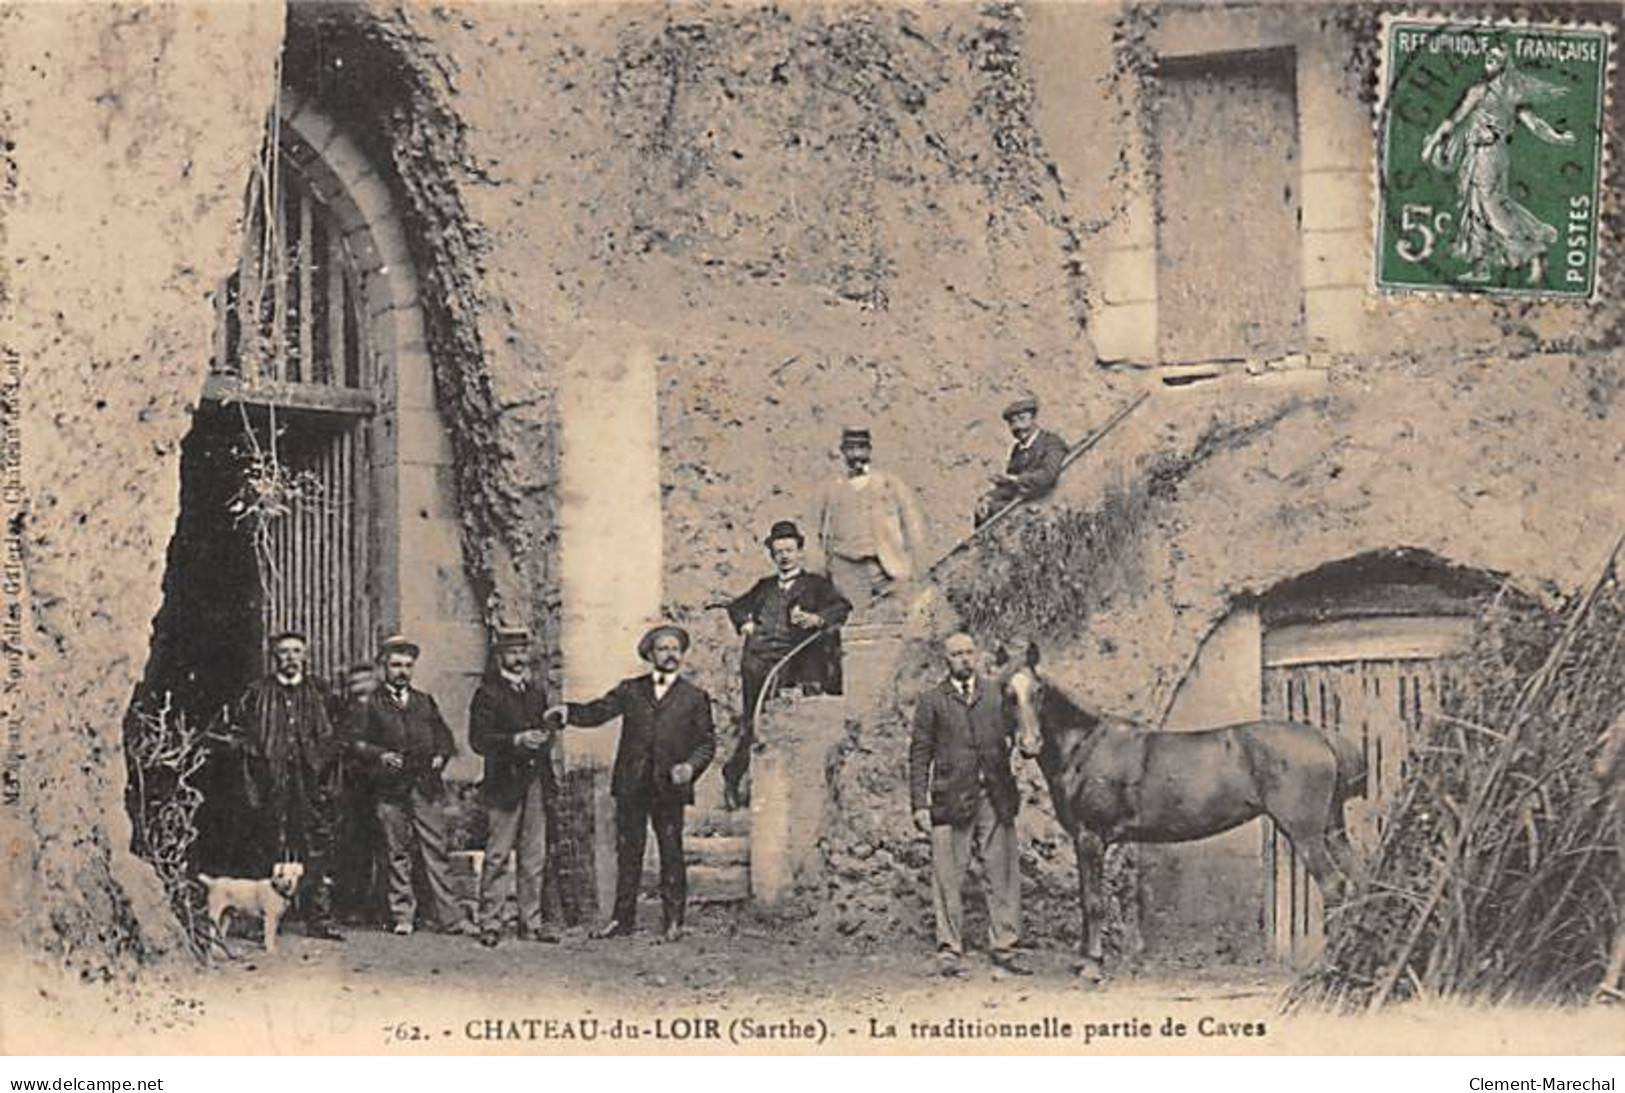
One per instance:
(1420, 227)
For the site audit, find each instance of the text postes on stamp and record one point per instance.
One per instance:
(1491, 151)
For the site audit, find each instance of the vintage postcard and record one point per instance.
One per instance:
(845, 529)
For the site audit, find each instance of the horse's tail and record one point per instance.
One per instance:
(1351, 766)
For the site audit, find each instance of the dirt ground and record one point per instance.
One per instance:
(731, 986)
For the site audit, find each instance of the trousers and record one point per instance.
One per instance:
(754, 665)
(634, 815)
(414, 830)
(866, 585)
(994, 842)
(516, 851)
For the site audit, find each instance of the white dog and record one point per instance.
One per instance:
(267, 899)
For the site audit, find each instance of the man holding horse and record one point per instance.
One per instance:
(964, 797)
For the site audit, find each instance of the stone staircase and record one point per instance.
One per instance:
(755, 853)
(716, 846)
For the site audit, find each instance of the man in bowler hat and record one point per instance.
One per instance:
(1034, 465)
(506, 726)
(775, 617)
(667, 741)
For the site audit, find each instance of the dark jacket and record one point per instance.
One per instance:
(654, 736)
(496, 715)
(957, 749)
(1037, 466)
(417, 731)
(820, 662)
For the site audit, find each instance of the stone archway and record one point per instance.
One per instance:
(345, 397)
(1359, 645)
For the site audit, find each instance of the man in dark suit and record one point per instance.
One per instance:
(402, 737)
(666, 743)
(506, 726)
(964, 796)
(776, 616)
(281, 732)
(1034, 466)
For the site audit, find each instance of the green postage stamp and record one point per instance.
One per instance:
(1490, 144)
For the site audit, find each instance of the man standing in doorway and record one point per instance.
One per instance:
(870, 530)
(1034, 466)
(402, 736)
(667, 741)
(281, 731)
(776, 616)
(965, 798)
(506, 726)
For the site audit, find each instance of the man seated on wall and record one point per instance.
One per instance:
(776, 616)
(1034, 466)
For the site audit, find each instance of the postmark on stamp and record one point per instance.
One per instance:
(1490, 145)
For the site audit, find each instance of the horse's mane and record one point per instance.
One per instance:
(1064, 712)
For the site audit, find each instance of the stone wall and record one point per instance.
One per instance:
(130, 132)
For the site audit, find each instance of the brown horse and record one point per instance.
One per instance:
(1114, 780)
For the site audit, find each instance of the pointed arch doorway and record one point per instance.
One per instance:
(317, 482)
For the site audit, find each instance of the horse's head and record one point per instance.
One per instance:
(1022, 690)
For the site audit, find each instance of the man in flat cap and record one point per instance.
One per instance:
(667, 741)
(776, 616)
(1034, 465)
(406, 743)
(506, 724)
(281, 732)
(870, 530)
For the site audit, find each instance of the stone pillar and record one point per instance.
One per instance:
(609, 540)
(770, 867)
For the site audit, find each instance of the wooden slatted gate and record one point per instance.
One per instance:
(290, 352)
(1374, 681)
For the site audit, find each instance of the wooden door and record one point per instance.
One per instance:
(1229, 277)
(313, 559)
(1337, 677)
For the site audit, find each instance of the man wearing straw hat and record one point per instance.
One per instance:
(402, 736)
(776, 617)
(667, 741)
(1033, 467)
(506, 726)
(870, 530)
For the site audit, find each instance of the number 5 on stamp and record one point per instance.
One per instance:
(1490, 145)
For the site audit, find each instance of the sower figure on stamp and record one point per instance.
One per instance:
(667, 741)
(281, 731)
(775, 617)
(402, 736)
(1494, 231)
(1033, 467)
(506, 724)
(870, 531)
(964, 796)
